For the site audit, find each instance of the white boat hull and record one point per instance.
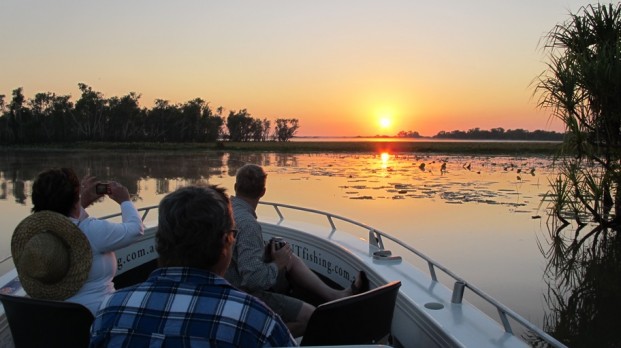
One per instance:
(425, 313)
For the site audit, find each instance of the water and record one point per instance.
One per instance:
(479, 216)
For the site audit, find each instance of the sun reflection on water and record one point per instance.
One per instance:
(385, 156)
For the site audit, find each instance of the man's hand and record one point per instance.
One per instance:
(282, 256)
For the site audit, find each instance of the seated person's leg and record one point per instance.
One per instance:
(301, 276)
(294, 312)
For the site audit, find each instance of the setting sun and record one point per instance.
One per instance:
(384, 122)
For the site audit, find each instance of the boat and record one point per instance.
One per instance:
(433, 307)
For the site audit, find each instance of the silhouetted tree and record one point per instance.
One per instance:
(286, 128)
(240, 125)
(49, 118)
(52, 115)
(124, 118)
(582, 87)
(15, 117)
(408, 134)
(212, 124)
(89, 114)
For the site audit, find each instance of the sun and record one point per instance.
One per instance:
(385, 122)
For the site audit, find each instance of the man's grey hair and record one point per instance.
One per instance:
(250, 181)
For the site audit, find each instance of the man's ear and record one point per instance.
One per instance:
(262, 192)
(228, 239)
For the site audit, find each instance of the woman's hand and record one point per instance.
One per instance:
(88, 195)
(118, 192)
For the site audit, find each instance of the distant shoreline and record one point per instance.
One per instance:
(392, 147)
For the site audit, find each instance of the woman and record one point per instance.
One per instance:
(60, 190)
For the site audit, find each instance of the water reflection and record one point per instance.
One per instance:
(19, 168)
(471, 213)
(583, 276)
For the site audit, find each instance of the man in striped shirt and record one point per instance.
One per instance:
(270, 279)
(186, 302)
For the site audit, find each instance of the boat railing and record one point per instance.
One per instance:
(376, 238)
(144, 210)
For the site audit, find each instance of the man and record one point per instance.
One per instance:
(186, 302)
(270, 279)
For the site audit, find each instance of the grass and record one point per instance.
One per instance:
(440, 147)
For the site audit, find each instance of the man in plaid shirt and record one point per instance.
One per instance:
(186, 302)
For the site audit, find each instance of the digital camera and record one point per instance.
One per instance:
(101, 188)
(278, 242)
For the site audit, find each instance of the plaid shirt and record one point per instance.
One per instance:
(183, 307)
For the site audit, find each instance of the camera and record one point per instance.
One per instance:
(278, 242)
(101, 188)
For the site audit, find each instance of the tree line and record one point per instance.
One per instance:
(49, 118)
(492, 134)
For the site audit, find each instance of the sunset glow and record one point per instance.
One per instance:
(320, 62)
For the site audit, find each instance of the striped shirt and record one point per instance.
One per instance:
(186, 307)
(248, 271)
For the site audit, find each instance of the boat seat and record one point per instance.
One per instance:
(135, 275)
(47, 323)
(365, 318)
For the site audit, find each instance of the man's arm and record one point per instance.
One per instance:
(255, 273)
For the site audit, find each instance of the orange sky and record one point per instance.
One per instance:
(336, 66)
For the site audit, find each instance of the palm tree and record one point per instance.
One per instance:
(582, 87)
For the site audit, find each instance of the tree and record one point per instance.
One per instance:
(286, 128)
(190, 122)
(89, 114)
(15, 117)
(240, 125)
(582, 87)
(124, 121)
(51, 117)
(265, 125)
(158, 121)
(212, 124)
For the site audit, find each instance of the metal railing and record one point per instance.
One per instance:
(375, 239)
(145, 211)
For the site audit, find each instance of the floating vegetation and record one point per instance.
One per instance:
(471, 179)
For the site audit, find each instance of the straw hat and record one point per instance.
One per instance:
(51, 254)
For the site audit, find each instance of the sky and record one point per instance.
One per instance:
(341, 67)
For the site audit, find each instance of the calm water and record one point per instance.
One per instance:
(478, 216)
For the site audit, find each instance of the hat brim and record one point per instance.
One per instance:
(80, 254)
